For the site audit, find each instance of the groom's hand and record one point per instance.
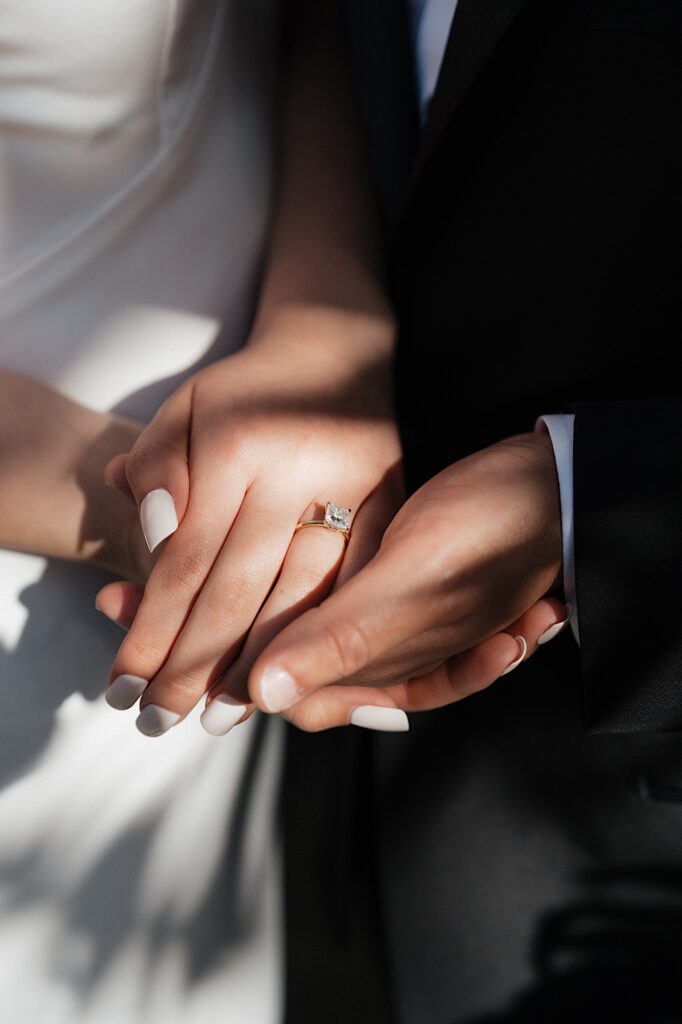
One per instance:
(467, 556)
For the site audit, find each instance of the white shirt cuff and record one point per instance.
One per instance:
(560, 430)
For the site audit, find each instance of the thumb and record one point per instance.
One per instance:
(157, 469)
(361, 621)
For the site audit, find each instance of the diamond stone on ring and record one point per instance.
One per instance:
(336, 518)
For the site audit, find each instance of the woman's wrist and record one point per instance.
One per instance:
(53, 498)
(323, 356)
(321, 359)
(316, 328)
(110, 534)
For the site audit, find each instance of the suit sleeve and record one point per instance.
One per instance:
(627, 476)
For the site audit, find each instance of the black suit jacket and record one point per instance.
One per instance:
(518, 856)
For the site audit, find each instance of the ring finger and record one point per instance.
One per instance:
(314, 564)
(307, 575)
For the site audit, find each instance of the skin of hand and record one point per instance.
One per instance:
(263, 439)
(247, 448)
(473, 552)
(53, 498)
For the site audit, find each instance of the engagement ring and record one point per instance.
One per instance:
(336, 518)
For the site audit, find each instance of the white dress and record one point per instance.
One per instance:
(139, 879)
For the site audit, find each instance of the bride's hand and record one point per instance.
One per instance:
(239, 455)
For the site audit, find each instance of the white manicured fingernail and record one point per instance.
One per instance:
(125, 691)
(517, 661)
(554, 630)
(278, 689)
(221, 715)
(153, 720)
(380, 719)
(158, 517)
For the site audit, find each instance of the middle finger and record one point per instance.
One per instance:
(229, 601)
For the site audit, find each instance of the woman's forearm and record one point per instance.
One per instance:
(53, 499)
(324, 266)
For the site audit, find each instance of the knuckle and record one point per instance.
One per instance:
(229, 601)
(147, 650)
(185, 568)
(236, 448)
(142, 464)
(347, 645)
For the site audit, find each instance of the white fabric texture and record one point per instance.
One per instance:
(139, 879)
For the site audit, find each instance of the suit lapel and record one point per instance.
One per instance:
(477, 28)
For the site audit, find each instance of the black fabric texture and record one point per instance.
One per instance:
(628, 495)
(526, 843)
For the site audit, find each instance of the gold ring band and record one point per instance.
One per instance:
(336, 519)
(320, 522)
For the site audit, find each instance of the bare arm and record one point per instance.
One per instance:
(324, 266)
(302, 415)
(53, 500)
